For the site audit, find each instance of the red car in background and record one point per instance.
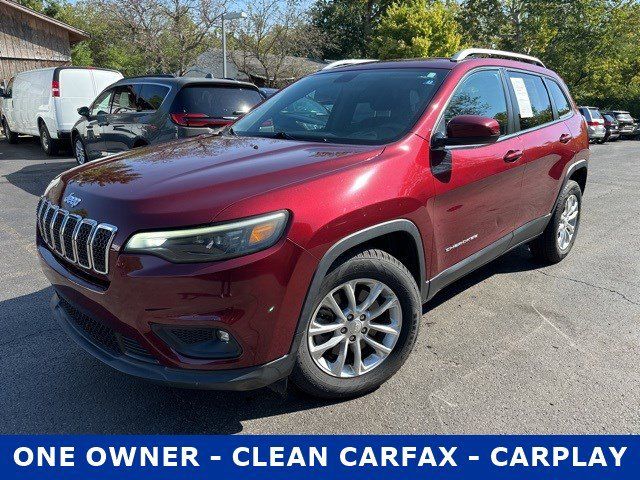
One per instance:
(302, 242)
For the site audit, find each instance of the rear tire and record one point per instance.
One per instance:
(365, 364)
(79, 150)
(48, 144)
(11, 137)
(558, 238)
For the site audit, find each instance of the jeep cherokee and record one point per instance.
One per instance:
(302, 242)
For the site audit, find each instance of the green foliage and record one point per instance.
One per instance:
(349, 26)
(418, 28)
(593, 44)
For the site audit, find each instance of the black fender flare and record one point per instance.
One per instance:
(344, 245)
(573, 168)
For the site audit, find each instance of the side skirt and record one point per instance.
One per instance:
(521, 235)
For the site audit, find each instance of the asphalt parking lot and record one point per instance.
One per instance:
(513, 348)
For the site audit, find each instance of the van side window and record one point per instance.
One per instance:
(151, 97)
(101, 104)
(481, 93)
(559, 98)
(124, 100)
(532, 100)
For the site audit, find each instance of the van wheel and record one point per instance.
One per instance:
(363, 327)
(9, 135)
(558, 238)
(80, 151)
(49, 145)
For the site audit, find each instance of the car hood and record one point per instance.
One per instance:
(189, 182)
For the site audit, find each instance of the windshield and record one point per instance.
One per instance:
(369, 107)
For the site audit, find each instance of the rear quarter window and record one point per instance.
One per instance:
(216, 101)
(559, 98)
(151, 97)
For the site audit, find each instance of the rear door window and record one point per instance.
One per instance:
(532, 101)
(151, 96)
(559, 98)
(124, 100)
(216, 101)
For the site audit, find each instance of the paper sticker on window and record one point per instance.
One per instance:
(522, 96)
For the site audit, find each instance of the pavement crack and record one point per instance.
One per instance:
(599, 287)
(562, 334)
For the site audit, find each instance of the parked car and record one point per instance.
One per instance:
(136, 112)
(303, 245)
(595, 123)
(626, 123)
(611, 125)
(45, 102)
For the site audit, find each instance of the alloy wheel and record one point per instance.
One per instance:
(355, 328)
(568, 222)
(80, 156)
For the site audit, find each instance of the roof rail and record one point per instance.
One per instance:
(468, 52)
(344, 63)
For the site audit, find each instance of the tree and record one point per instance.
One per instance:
(144, 36)
(418, 29)
(272, 39)
(349, 25)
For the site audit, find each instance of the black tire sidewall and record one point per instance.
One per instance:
(52, 143)
(310, 378)
(553, 250)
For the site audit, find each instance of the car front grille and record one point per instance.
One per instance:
(81, 241)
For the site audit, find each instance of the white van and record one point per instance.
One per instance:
(45, 102)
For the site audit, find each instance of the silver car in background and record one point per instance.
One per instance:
(595, 124)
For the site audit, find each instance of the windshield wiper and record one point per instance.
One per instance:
(283, 135)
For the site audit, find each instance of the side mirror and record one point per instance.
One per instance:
(469, 130)
(84, 111)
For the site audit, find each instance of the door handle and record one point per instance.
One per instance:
(565, 138)
(513, 156)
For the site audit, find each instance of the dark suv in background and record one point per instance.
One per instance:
(625, 122)
(136, 112)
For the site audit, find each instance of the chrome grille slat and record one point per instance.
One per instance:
(80, 241)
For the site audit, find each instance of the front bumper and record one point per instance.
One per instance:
(235, 379)
(256, 299)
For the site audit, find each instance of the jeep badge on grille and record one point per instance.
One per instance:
(72, 200)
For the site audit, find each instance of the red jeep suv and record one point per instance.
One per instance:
(302, 242)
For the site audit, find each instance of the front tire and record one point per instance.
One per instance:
(558, 238)
(11, 137)
(48, 144)
(363, 327)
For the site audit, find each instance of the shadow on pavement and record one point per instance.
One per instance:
(518, 260)
(28, 148)
(34, 179)
(51, 386)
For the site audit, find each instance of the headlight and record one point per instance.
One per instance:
(211, 243)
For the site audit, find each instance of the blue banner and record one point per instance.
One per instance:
(319, 456)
